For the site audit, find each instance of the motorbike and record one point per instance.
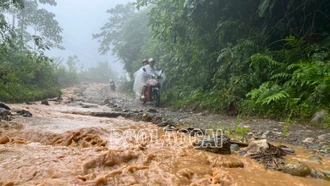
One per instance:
(152, 91)
(112, 85)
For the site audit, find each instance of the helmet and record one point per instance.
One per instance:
(151, 60)
(145, 61)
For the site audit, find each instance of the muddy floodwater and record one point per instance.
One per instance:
(64, 145)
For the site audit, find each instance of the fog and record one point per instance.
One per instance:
(79, 19)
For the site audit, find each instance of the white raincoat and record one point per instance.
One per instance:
(141, 77)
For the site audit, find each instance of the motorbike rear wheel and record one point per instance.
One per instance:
(156, 98)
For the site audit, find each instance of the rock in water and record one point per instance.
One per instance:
(257, 146)
(4, 114)
(2, 105)
(4, 140)
(162, 124)
(234, 147)
(315, 158)
(24, 113)
(218, 144)
(44, 102)
(297, 168)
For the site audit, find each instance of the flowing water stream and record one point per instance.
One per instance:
(64, 145)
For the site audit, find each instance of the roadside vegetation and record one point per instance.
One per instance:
(26, 73)
(269, 58)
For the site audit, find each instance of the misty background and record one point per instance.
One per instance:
(79, 19)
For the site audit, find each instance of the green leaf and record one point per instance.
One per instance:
(275, 97)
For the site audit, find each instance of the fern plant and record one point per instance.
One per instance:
(300, 88)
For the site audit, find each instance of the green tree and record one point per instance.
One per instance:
(47, 29)
(26, 74)
(127, 33)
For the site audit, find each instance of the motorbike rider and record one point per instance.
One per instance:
(145, 62)
(149, 69)
(140, 79)
(112, 85)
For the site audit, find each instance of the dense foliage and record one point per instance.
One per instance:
(26, 74)
(270, 57)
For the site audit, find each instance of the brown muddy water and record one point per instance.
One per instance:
(59, 147)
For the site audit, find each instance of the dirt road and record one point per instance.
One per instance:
(97, 137)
